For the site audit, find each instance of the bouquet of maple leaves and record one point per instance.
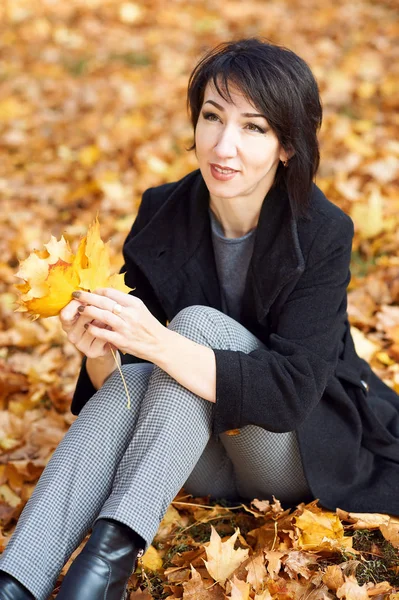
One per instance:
(51, 275)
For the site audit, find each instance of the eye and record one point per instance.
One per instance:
(209, 116)
(254, 127)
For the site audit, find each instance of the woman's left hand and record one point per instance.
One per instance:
(134, 330)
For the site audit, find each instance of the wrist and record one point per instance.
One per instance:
(165, 344)
(100, 368)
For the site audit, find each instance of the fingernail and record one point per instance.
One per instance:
(86, 325)
(75, 294)
(81, 308)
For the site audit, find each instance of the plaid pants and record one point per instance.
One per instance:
(129, 464)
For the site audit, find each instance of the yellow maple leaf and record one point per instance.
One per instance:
(92, 260)
(151, 559)
(222, 558)
(321, 531)
(51, 275)
(61, 282)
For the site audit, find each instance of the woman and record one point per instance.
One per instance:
(237, 322)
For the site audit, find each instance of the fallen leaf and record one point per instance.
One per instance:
(351, 590)
(222, 559)
(151, 559)
(366, 520)
(273, 562)
(390, 531)
(257, 573)
(377, 589)
(333, 577)
(239, 589)
(321, 531)
(297, 563)
(265, 595)
(195, 589)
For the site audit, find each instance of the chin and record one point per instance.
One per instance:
(220, 192)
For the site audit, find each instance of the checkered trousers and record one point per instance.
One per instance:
(128, 464)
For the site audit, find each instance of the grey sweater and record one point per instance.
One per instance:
(232, 256)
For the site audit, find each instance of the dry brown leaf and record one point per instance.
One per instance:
(171, 520)
(257, 574)
(351, 590)
(333, 577)
(273, 562)
(195, 589)
(376, 589)
(297, 563)
(366, 520)
(222, 559)
(239, 589)
(265, 595)
(390, 531)
(140, 595)
(262, 506)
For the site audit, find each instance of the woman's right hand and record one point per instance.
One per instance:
(73, 323)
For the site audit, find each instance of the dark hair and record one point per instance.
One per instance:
(281, 85)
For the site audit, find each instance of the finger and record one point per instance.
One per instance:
(112, 337)
(97, 300)
(121, 298)
(101, 348)
(78, 330)
(98, 323)
(91, 346)
(69, 312)
(105, 316)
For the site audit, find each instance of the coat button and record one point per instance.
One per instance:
(365, 384)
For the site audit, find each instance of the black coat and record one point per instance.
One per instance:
(309, 378)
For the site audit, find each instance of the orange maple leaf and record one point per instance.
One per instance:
(51, 275)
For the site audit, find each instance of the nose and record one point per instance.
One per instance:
(226, 144)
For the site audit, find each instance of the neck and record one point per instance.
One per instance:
(237, 216)
(235, 222)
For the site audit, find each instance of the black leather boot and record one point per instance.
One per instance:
(12, 589)
(101, 571)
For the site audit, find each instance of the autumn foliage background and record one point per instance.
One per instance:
(92, 112)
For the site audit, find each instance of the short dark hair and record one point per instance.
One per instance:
(279, 84)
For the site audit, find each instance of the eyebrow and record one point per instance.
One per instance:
(250, 115)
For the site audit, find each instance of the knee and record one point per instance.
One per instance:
(136, 376)
(198, 323)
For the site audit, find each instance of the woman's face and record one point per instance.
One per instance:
(235, 137)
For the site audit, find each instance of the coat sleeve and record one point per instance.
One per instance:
(134, 278)
(276, 387)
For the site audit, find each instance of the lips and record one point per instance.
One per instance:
(221, 174)
(223, 169)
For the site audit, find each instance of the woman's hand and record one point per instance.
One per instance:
(127, 323)
(73, 323)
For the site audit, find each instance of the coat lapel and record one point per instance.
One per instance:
(277, 259)
(175, 252)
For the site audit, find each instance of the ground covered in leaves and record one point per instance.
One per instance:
(92, 113)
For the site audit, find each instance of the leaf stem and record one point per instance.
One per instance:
(123, 379)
